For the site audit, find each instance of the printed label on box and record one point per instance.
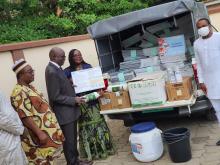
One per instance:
(105, 101)
(143, 84)
(120, 101)
(179, 92)
(117, 94)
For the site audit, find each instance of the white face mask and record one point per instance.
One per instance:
(204, 31)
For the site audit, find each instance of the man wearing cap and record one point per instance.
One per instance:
(207, 53)
(11, 128)
(64, 103)
(43, 136)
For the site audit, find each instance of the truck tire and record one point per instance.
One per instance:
(210, 115)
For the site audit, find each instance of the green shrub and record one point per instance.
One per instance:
(30, 28)
(59, 26)
(26, 20)
(21, 30)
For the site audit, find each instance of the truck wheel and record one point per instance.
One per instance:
(210, 115)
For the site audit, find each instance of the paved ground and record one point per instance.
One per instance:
(204, 135)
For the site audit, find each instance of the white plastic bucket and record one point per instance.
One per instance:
(146, 142)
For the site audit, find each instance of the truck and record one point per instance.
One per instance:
(169, 19)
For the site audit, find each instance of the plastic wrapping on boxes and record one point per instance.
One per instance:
(185, 68)
(142, 63)
(187, 71)
(153, 51)
(146, 70)
(175, 58)
(121, 76)
(130, 65)
(129, 55)
(152, 61)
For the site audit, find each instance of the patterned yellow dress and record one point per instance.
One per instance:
(30, 103)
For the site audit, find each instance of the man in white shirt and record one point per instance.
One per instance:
(11, 152)
(207, 53)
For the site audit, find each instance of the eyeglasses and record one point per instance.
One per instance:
(77, 55)
(29, 71)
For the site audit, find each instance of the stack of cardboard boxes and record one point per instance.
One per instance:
(151, 66)
(145, 92)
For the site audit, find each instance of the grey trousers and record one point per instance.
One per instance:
(70, 143)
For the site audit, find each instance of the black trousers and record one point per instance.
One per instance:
(70, 143)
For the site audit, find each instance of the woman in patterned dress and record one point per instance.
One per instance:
(94, 136)
(43, 137)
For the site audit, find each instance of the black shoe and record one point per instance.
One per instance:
(84, 162)
(218, 143)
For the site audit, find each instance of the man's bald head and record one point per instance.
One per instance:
(55, 51)
(57, 55)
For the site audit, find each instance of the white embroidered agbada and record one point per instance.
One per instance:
(11, 152)
(207, 54)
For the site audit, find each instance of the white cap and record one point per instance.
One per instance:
(19, 65)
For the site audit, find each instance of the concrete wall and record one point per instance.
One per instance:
(215, 20)
(38, 58)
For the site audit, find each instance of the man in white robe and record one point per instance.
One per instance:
(11, 152)
(207, 54)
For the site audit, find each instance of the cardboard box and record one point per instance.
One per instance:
(107, 101)
(115, 100)
(179, 91)
(148, 90)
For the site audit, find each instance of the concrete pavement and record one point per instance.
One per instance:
(204, 135)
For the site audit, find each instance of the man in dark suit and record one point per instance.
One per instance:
(64, 102)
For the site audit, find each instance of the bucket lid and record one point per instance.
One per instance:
(143, 127)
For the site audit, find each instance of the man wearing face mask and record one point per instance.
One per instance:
(207, 54)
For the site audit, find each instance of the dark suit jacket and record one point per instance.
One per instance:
(61, 95)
